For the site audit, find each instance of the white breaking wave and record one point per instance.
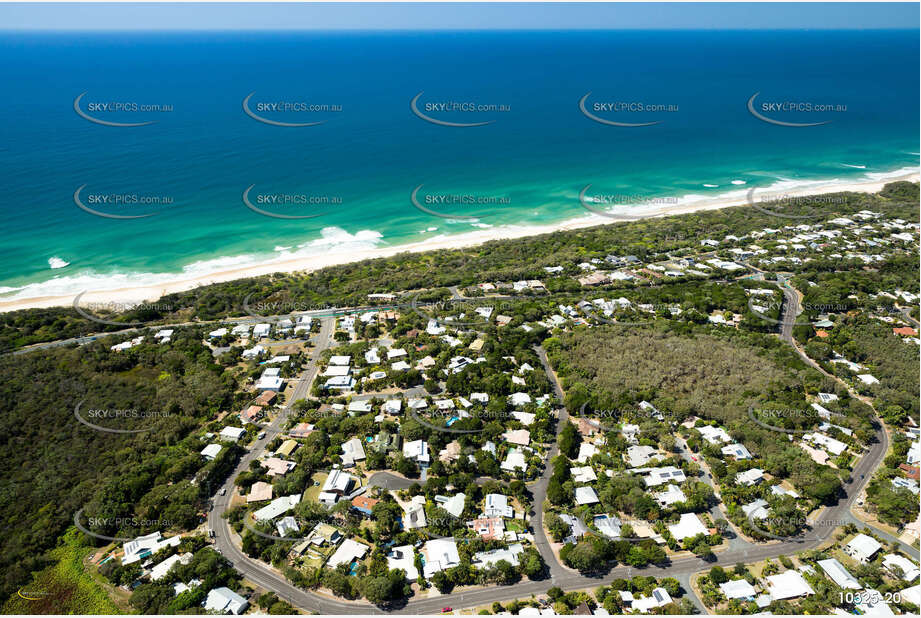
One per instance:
(56, 262)
(332, 240)
(738, 182)
(856, 167)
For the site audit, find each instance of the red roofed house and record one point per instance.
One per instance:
(821, 333)
(905, 331)
(266, 398)
(489, 527)
(251, 414)
(364, 504)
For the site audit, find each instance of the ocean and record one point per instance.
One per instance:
(353, 170)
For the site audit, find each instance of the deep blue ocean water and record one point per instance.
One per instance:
(538, 152)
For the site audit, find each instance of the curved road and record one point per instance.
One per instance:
(681, 568)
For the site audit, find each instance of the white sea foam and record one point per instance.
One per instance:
(280, 248)
(338, 241)
(56, 262)
(333, 240)
(856, 167)
(738, 182)
(710, 186)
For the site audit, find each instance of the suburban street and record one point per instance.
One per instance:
(739, 550)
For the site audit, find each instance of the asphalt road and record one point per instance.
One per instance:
(681, 568)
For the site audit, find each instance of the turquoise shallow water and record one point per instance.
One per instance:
(371, 151)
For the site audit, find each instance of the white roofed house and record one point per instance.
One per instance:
(514, 461)
(713, 435)
(287, 525)
(908, 570)
(639, 455)
(750, 477)
(338, 482)
(671, 495)
(278, 506)
(788, 585)
(403, 557)
(519, 399)
(838, 574)
(359, 406)
(736, 451)
(418, 451)
(392, 406)
(862, 548)
(225, 601)
(253, 352)
(162, 569)
(738, 589)
(352, 452)
(261, 330)
(440, 554)
(665, 474)
(453, 505)
(144, 546)
(270, 380)
(414, 516)
(347, 553)
(488, 558)
(688, 526)
(211, 451)
(497, 506)
(586, 495)
(519, 437)
(232, 434)
(756, 510)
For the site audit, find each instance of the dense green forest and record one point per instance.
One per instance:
(54, 465)
(689, 371)
(503, 260)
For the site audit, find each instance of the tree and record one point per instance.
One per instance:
(718, 575)
(442, 582)
(377, 590)
(569, 440)
(532, 564)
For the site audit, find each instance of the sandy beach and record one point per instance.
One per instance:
(125, 296)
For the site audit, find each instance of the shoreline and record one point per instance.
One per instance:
(183, 282)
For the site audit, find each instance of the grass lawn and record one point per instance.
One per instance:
(65, 587)
(312, 493)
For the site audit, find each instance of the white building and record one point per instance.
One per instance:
(586, 495)
(788, 585)
(225, 601)
(278, 506)
(403, 557)
(211, 451)
(440, 554)
(738, 589)
(348, 552)
(417, 450)
(497, 506)
(862, 548)
(838, 574)
(688, 526)
(144, 546)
